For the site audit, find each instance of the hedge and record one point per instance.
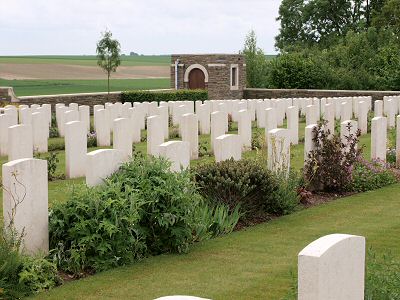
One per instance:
(180, 95)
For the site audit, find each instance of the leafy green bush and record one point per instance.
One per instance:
(247, 183)
(320, 173)
(53, 133)
(56, 145)
(91, 140)
(169, 201)
(179, 95)
(142, 209)
(38, 274)
(22, 275)
(370, 176)
(96, 229)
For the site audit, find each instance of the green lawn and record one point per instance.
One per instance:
(87, 60)
(252, 264)
(51, 87)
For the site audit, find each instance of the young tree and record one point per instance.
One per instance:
(255, 61)
(108, 55)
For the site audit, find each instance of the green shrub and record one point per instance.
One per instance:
(179, 95)
(53, 133)
(214, 221)
(320, 173)
(370, 176)
(247, 183)
(56, 145)
(142, 209)
(169, 198)
(38, 274)
(96, 229)
(91, 140)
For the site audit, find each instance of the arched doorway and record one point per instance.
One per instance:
(196, 79)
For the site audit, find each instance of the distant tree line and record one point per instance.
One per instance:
(336, 44)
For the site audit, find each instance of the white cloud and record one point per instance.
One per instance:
(149, 27)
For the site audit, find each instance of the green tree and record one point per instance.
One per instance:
(319, 22)
(388, 16)
(255, 61)
(108, 55)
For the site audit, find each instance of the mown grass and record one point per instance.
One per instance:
(70, 86)
(256, 263)
(86, 60)
(252, 264)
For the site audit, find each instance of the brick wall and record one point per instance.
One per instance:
(218, 67)
(293, 93)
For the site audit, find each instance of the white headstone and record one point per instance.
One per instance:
(5, 122)
(84, 116)
(155, 134)
(25, 181)
(75, 149)
(20, 142)
(378, 138)
(122, 137)
(177, 152)
(40, 132)
(332, 268)
(100, 164)
(190, 133)
(309, 143)
(219, 120)
(244, 128)
(102, 128)
(279, 150)
(227, 146)
(293, 124)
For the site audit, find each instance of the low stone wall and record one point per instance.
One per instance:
(295, 93)
(82, 99)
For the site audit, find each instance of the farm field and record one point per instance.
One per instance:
(51, 87)
(45, 75)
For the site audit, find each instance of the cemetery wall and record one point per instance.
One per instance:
(250, 93)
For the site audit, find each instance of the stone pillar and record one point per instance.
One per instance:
(378, 108)
(20, 142)
(260, 112)
(227, 146)
(279, 150)
(345, 114)
(136, 119)
(391, 113)
(95, 109)
(71, 115)
(75, 149)
(190, 133)
(378, 138)
(122, 137)
(84, 116)
(177, 152)
(60, 115)
(25, 183)
(102, 129)
(309, 144)
(40, 132)
(5, 122)
(332, 268)
(293, 124)
(152, 108)
(219, 120)
(244, 128)
(155, 135)
(100, 164)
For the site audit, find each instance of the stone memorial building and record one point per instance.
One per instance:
(223, 75)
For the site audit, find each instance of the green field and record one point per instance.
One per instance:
(86, 60)
(51, 87)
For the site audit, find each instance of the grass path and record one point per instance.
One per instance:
(252, 264)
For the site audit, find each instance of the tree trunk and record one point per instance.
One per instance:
(108, 86)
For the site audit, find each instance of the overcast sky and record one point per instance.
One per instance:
(143, 26)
